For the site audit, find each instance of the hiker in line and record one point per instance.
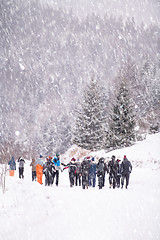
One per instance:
(101, 170)
(72, 167)
(49, 170)
(78, 173)
(126, 169)
(112, 167)
(118, 174)
(56, 161)
(92, 173)
(21, 167)
(39, 169)
(33, 165)
(12, 166)
(85, 165)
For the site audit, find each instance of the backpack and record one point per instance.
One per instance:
(85, 166)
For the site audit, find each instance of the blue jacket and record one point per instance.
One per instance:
(12, 164)
(56, 162)
(92, 169)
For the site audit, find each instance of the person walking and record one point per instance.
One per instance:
(56, 161)
(126, 169)
(101, 170)
(49, 170)
(72, 167)
(112, 167)
(12, 166)
(39, 169)
(33, 165)
(118, 174)
(78, 173)
(92, 173)
(21, 167)
(85, 165)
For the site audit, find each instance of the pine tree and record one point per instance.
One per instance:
(122, 121)
(90, 119)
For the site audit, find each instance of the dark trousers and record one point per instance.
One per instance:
(85, 180)
(112, 180)
(125, 177)
(34, 175)
(71, 178)
(78, 179)
(47, 179)
(118, 180)
(56, 175)
(21, 170)
(101, 180)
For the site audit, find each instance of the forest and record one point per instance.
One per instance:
(48, 58)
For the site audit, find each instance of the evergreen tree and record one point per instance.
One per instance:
(122, 121)
(90, 119)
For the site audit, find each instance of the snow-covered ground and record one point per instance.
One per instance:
(31, 211)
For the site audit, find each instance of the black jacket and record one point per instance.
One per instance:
(126, 167)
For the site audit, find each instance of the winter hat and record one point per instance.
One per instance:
(73, 159)
(101, 160)
(92, 159)
(41, 156)
(113, 157)
(118, 160)
(124, 156)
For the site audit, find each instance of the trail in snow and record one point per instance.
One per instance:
(32, 211)
(38, 212)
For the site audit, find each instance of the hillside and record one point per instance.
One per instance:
(144, 153)
(48, 55)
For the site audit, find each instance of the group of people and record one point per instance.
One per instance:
(83, 174)
(86, 172)
(50, 168)
(12, 166)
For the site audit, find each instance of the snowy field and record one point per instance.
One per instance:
(32, 211)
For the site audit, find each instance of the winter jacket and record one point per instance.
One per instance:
(101, 168)
(56, 162)
(21, 162)
(33, 165)
(85, 165)
(49, 168)
(93, 169)
(12, 164)
(112, 167)
(78, 170)
(126, 167)
(118, 168)
(72, 167)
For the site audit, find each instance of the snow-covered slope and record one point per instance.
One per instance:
(144, 153)
(31, 211)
